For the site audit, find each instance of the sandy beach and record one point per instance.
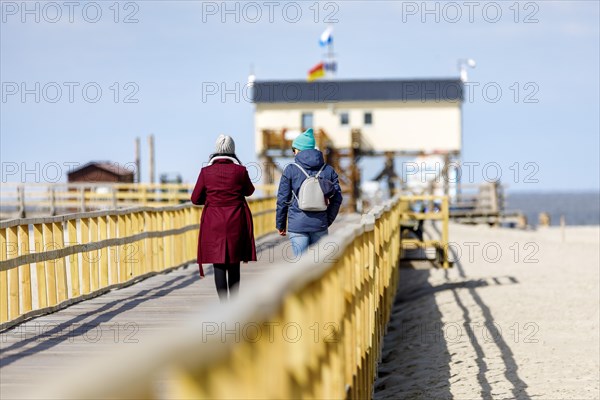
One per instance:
(516, 317)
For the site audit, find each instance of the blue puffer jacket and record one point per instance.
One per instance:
(287, 206)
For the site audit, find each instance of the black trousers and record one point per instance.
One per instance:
(227, 277)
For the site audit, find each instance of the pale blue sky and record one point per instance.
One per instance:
(170, 52)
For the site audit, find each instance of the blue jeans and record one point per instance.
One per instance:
(301, 241)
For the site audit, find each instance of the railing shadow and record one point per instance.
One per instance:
(415, 361)
(61, 332)
(519, 387)
(67, 330)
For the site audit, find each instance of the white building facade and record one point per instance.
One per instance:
(401, 116)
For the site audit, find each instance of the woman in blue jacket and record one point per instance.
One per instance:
(305, 227)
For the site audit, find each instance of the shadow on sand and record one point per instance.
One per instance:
(415, 362)
(416, 359)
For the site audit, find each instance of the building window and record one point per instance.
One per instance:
(307, 120)
(368, 118)
(344, 118)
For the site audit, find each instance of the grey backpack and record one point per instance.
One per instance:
(310, 196)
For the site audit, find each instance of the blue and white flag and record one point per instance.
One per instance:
(331, 66)
(326, 37)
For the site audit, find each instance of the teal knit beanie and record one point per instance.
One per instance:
(305, 141)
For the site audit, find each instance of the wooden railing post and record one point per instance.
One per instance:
(3, 279)
(24, 271)
(73, 259)
(13, 277)
(49, 265)
(21, 199)
(114, 254)
(445, 244)
(94, 261)
(82, 199)
(60, 267)
(114, 191)
(52, 193)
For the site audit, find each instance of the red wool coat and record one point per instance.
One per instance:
(226, 228)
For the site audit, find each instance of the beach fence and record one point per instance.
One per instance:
(314, 330)
(48, 263)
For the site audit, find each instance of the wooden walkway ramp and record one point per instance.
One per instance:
(122, 317)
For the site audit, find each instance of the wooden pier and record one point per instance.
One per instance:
(121, 318)
(77, 299)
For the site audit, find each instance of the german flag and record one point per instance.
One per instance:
(316, 72)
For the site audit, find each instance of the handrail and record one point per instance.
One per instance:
(48, 263)
(23, 199)
(89, 214)
(345, 299)
(442, 215)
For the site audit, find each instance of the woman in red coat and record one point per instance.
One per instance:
(226, 230)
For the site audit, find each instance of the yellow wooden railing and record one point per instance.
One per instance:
(310, 329)
(443, 215)
(47, 199)
(49, 263)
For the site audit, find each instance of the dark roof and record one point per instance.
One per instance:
(113, 168)
(438, 90)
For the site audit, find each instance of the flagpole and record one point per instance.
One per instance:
(328, 68)
(331, 58)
